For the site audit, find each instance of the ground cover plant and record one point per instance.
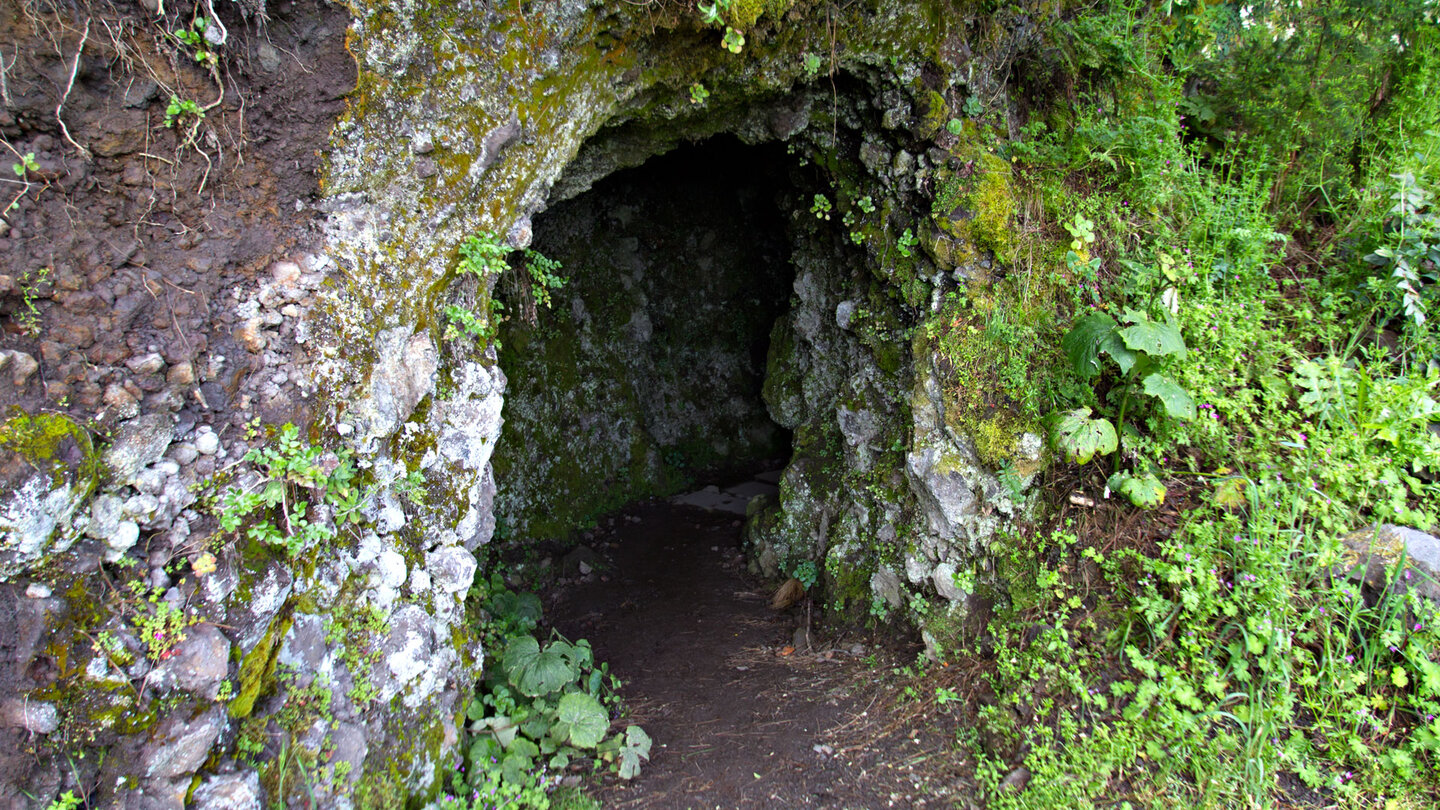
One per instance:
(1214, 650)
(542, 707)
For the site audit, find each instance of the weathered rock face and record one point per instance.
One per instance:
(470, 120)
(488, 149)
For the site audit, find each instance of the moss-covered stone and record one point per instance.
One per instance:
(257, 668)
(974, 201)
(48, 468)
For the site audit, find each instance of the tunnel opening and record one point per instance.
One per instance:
(644, 375)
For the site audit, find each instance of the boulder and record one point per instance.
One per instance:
(139, 443)
(1372, 554)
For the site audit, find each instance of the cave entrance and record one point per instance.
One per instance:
(643, 377)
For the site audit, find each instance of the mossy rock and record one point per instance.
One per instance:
(48, 467)
(974, 200)
(257, 668)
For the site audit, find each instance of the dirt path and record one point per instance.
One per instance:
(736, 722)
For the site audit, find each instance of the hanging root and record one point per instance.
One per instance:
(74, 68)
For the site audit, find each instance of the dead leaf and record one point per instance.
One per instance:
(787, 595)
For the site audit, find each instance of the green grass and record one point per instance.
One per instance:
(1216, 656)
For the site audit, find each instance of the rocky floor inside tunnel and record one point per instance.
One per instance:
(742, 710)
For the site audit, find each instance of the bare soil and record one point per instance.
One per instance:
(740, 716)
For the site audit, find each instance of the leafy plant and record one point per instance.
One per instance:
(543, 706)
(698, 93)
(711, 14)
(806, 573)
(1140, 351)
(906, 242)
(27, 317)
(820, 206)
(180, 108)
(733, 41)
(1082, 233)
(281, 507)
(160, 625)
(1413, 255)
(463, 319)
(194, 37)
(27, 163)
(66, 801)
(482, 255)
(544, 276)
(812, 63)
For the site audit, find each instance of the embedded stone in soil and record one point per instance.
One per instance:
(738, 719)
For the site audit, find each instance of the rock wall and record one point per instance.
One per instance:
(174, 339)
(646, 371)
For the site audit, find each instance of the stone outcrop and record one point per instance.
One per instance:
(190, 351)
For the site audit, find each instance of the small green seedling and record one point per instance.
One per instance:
(812, 65)
(906, 242)
(1082, 233)
(733, 40)
(27, 164)
(820, 207)
(180, 108)
(194, 36)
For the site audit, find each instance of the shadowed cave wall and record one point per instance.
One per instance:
(645, 374)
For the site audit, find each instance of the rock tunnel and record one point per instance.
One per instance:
(644, 374)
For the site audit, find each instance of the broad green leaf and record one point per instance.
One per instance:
(504, 730)
(584, 656)
(1177, 403)
(1084, 341)
(536, 727)
(1079, 437)
(546, 674)
(1255, 643)
(520, 652)
(637, 747)
(1154, 338)
(514, 767)
(629, 764)
(475, 711)
(535, 672)
(1144, 491)
(560, 731)
(523, 609)
(1119, 352)
(524, 748)
(273, 493)
(587, 718)
(485, 749)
